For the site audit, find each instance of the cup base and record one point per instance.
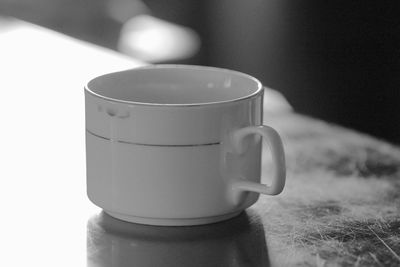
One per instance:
(172, 222)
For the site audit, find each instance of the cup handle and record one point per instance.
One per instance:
(278, 158)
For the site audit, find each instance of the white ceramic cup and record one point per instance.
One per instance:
(177, 144)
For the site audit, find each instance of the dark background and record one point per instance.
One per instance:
(334, 60)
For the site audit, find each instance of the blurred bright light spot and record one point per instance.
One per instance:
(153, 40)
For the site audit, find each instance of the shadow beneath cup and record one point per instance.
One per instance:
(236, 242)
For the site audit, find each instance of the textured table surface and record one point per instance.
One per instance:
(340, 206)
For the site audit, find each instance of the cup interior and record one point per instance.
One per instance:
(175, 85)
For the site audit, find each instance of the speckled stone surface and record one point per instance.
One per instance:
(341, 205)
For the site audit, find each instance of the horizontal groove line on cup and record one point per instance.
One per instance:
(141, 144)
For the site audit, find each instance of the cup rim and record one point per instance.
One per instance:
(259, 89)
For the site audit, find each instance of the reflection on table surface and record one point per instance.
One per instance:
(236, 242)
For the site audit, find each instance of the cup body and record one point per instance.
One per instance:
(168, 160)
